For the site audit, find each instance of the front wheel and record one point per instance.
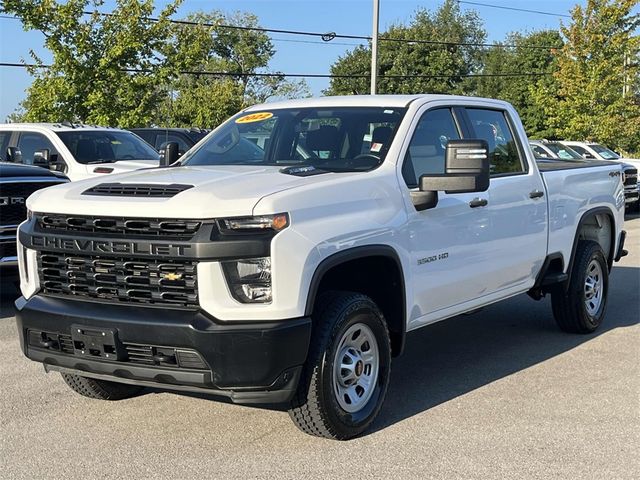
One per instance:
(580, 309)
(347, 372)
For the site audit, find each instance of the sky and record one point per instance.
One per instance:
(341, 16)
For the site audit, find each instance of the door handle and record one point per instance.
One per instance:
(536, 194)
(478, 202)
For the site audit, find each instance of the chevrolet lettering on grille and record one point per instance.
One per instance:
(109, 246)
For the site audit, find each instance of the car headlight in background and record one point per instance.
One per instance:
(249, 279)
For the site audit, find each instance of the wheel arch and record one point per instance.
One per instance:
(340, 269)
(584, 230)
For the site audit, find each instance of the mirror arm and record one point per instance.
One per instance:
(424, 200)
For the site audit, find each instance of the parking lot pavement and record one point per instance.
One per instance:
(498, 394)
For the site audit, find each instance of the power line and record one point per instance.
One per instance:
(300, 75)
(502, 7)
(312, 42)
(328, 37)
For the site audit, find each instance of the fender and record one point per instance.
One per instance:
(354, 254)
(589, 213)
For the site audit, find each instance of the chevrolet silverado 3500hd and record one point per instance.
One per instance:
(284, 258)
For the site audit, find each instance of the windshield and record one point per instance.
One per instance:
(336, 139)
(103, 146)
(604, 152)
(563, 152)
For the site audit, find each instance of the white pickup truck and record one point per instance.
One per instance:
(79, 151)
(291, 272)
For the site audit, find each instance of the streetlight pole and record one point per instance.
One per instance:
(374, 46)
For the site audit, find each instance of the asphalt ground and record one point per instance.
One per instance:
(498, 394)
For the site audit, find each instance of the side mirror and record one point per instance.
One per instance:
(588, 155)
(170, 154)
(14, 155)
(41, 158)
(467, 169)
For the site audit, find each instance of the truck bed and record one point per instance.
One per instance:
(548, 165)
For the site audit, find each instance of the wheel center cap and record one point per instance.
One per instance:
(359, 368)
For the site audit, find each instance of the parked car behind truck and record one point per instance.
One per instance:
(294, 276)
(544, 149)
(79, 151)
(158, 138)
(17, 182)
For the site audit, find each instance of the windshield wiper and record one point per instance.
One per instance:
(102, 160)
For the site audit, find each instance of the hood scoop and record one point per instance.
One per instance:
(149, 190)
(306, 171)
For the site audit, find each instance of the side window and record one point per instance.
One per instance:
(492, 126)
(428, 144)
(540, 152)
(30, 142)
(4, 145)
(163, 138)
(146, 135)
(580, 150)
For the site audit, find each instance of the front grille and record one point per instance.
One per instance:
(13, 207)
(150, 355)
(127, 226)
(8, 249)
(137, 190)
(631, 177)
(117, 279)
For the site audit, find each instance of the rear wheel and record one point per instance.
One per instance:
(100, 389)
(347, 372)
(581, 308)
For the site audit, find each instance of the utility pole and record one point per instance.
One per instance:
(374, 46)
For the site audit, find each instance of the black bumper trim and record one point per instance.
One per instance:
(251, 362)
(621, 252)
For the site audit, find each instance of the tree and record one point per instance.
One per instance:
(238, 54)
(532, 53)
(598, 62)
(448, 64)
(105, 69)
(125, 69)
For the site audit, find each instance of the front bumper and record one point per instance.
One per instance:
(250, 362)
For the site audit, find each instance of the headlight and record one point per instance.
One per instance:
(276, 223)
(249, 280)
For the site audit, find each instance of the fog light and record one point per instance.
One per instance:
(249, 279)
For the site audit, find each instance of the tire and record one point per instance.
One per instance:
(340, 403)
(581, 308)
(100, 389)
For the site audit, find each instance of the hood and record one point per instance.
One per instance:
(635, 162)
(218, 191)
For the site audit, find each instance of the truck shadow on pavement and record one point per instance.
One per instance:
(448, 359)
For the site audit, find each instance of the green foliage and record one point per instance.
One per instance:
(125, 69)
(206, 100)
(588, 101)
(105, 69)
(519, 91)
(449, 63)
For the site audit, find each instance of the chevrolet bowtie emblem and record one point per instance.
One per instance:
(172, 276)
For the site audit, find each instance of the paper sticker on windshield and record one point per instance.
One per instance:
(254, 117)
(376, 147)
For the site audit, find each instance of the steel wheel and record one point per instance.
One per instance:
(355, 371)
(593, 286)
